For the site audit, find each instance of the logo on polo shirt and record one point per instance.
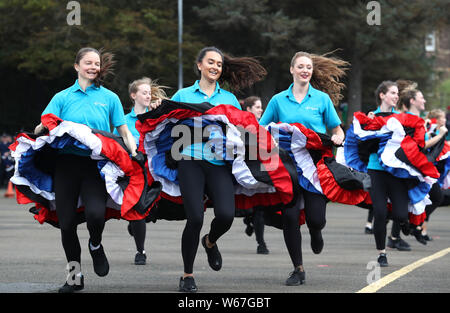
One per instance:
(100, 104)
(311, 108)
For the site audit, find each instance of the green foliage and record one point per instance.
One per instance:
(38, 46)
(440, 96)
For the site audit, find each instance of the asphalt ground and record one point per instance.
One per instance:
(32, 258)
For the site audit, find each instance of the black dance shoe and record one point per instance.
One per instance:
(187, 284)
(101, 265)
(73, 287)
(419, 237)
(398, 244)
(296, 278)
(262, 249)
(382, 260)
(140, 258)
(214, 257)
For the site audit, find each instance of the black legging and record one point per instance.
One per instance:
(436, 197)
(258, 225)
(370, 215)
(384, 186)
(315, 211)
(197, 177)
(77, 176)
(138, 229)
(395, 230)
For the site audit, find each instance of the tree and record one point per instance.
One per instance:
(39, 47)
(392, 50)
(258, 29)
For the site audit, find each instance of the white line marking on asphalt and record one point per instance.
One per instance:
(374, 287)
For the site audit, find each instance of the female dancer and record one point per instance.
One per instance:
(200, 172)
(439, 130)
(253, 105)
(76, 174)
(384, 184)
(255, 222)
(142, 92)
(302, 103)
(413, 102)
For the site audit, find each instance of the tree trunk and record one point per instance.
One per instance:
(354, 87)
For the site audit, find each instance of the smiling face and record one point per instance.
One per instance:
(441, 120)
(390, 98)
(88, 66)
(210, 66)
(418, 102)
(302, 70)
(256, 109)
(142, 97)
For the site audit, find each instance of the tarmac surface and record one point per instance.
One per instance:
(32, 258)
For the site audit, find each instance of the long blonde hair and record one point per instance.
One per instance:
(156, 91)
(327, 73)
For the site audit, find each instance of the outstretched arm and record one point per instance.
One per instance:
(338, 135)
(128, 138)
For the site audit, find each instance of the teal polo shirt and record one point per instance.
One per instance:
(374, 161)
(194, 94)
(97, 107)
(130, 120)
(316, 111)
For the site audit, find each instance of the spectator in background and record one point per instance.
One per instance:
(255, 222)
(6, 161)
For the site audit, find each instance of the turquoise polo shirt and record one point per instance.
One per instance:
(130, 120)
(374, 161)
(316, 111)
(97, 107)
(194, 94)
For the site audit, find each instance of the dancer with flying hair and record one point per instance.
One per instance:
(200, 171)
(76, 175)
(310, 100)
(144, 93)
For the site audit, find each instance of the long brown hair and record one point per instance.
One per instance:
(327, 73)
(106, 63)
(237, 72)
